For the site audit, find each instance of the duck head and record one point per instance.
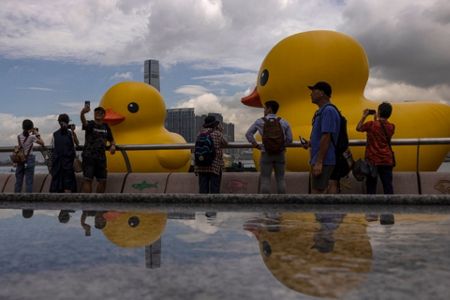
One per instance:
(133, 105)
(305, 58)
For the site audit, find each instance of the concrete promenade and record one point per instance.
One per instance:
(180, 190)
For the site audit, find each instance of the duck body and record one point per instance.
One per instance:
(305, 58)
(136, 113)
(304, 251)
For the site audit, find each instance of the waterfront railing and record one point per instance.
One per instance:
(417, 142)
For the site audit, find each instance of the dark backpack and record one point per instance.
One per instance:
(204, 151)
(342, 167)
(273, 136)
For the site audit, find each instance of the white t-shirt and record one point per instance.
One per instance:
(28, 143)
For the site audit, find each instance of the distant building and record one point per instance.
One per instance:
(151, 73)
(184, 122)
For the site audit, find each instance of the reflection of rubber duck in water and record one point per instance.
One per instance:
(136, 113)
(322, 255)
(306, 58)
(134, 229)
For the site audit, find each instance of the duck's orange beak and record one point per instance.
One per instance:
(111, 215)
(113, 118)
(252, 99)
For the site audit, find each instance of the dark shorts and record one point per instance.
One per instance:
(321, 182)
(94, 168)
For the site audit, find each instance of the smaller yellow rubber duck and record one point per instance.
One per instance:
(136, 113)
(134, 229)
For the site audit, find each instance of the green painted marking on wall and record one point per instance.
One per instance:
(145, 185)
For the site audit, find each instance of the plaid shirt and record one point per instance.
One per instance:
(217, 165)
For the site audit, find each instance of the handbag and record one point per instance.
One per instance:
(77, 165)
(18, 156)
(362, 169)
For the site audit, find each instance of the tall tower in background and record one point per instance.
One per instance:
(151, 73)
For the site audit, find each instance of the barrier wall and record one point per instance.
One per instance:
(240, 183)
(434, 183)
(38, 183)
(3, 180)
(146, 183)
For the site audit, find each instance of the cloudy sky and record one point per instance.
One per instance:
(55, 54)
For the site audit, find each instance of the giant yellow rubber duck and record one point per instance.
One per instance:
(306, 58)
(136, 113)
(134, 229)
(321, 255)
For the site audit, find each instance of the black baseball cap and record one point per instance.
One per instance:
(322, 86)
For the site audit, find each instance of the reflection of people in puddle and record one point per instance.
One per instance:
(322, 255)
(27, 213)
(99, 221)
(385, 219)
(64, 216)
(323, 238)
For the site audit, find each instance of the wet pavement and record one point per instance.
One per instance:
(99, 251)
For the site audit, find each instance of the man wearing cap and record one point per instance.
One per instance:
(209, 177)
(97, 134)
(325, 126)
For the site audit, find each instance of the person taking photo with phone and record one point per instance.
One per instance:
(26, 140)
(97, 135)
(378, 147)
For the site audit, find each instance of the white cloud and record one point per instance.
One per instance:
(122, 76)
(12, 126)
(223, 33)
(192, 90)
(237, 79)
(36, 88)
(384, 90)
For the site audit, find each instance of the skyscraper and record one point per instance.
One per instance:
(151, 73)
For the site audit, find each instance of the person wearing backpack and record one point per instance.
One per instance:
(276, 133)
(378, 149)
(209, 156)
(26, 140)
(325, 130)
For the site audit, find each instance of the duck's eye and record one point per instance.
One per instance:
(267, 250)
(264, 77)
(133, 107)
(133, 221)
